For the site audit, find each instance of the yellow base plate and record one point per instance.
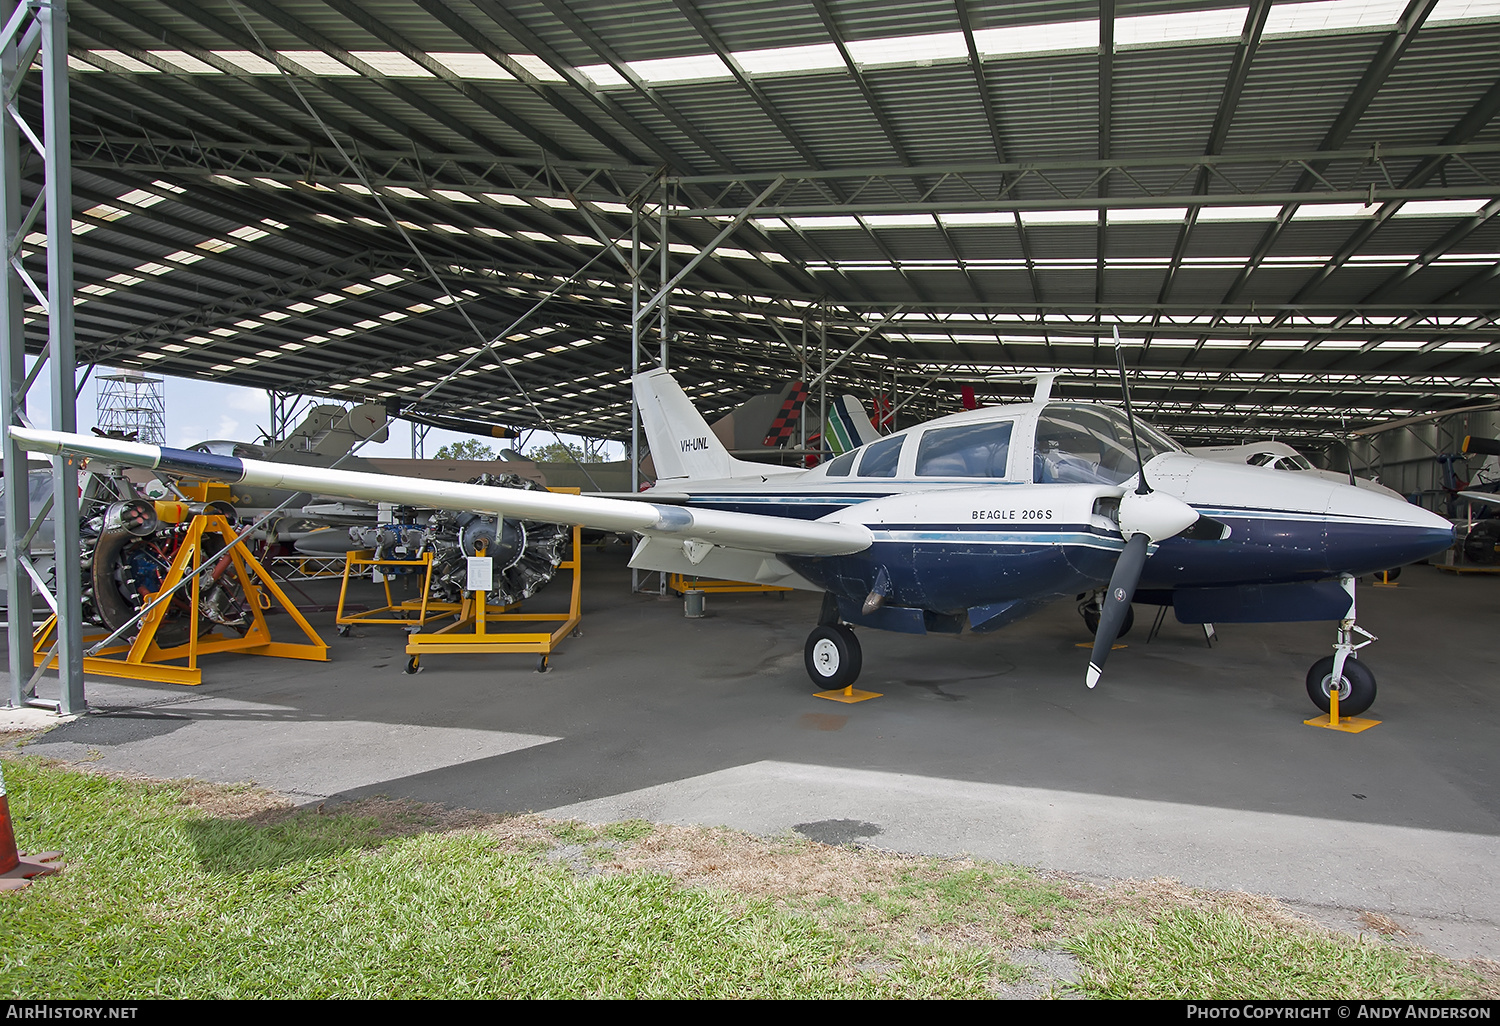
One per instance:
(1089, 644)
(847, 695)
(1348, 724)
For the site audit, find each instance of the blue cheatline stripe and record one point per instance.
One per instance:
(1081, 539)
(184, 461)
(1253, 513)
(816, 498)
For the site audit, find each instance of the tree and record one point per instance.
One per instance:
(566, 452)
(468, 449)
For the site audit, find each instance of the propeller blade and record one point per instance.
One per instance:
(1116, 601)
(1141, 487)
(1145, 517)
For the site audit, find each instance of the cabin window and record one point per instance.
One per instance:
(1077, 444)
(841, 466)
(974, 450)
(881, 457)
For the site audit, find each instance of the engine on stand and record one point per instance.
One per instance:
(526, 553)
(128, 549)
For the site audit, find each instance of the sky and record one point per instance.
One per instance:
(199, 410)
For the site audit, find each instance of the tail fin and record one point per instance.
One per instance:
(683, 446)
(785, 422)
(849, 425)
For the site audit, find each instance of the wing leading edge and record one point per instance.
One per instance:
(744, 531)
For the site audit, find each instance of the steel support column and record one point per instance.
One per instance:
(31, 27)
(12, 396)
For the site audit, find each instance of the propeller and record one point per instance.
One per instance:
(1145, 517)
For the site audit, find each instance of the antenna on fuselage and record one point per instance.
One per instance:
(1044, 382)
(1041, 382)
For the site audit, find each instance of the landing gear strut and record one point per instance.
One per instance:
(833, 658)
(1355, 682)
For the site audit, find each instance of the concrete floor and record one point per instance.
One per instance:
(1187, 762)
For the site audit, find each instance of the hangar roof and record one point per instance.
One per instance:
(1287, 210)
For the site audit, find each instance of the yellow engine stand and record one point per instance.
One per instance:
(681, 583)
(476, 615)
(143, 659)
(393, 611)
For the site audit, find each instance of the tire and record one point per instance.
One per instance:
(832, 656)
(1091, 620)
(1356, 694)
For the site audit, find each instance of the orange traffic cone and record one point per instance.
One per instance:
(16, 872)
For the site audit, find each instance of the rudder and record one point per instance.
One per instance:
(682, 444)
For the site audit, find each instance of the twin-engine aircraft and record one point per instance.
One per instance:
(972, 520)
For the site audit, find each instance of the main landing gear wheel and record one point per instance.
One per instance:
(1356, 686)
(1089, 610)
(833, 657)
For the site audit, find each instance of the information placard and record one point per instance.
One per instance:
(481, 573)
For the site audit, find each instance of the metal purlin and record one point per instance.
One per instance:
(35, 30)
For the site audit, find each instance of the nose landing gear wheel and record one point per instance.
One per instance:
(1356, 686)
(832, 656)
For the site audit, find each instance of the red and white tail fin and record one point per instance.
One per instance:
(785, 422)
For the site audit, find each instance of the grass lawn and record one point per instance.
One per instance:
(183, 889)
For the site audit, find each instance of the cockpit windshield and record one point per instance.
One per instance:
(1280, 461)
(225, 447)
(1078, 443)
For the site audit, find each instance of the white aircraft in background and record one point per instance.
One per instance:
(972, 520)
(1280, 456)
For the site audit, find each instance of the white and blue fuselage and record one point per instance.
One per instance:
(984, 515)
(970, 520)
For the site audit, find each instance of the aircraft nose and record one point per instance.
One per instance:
(1367, 531)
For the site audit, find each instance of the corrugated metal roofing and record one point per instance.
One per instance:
(260, 257)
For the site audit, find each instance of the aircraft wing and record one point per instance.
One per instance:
(1490, 498)
(747, 531)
